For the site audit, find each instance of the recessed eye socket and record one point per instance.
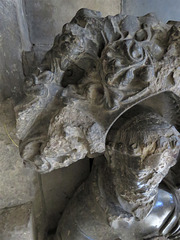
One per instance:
(118, 146)
(63, 37)
(94, 67)
(64, 45)
(69, 72)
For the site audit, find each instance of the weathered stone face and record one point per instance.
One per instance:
(140, 155)
(13, 40)
(97, 68)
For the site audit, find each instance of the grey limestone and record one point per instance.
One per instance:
(31, 27)
(165, 10)
(108, 86)
(16, 182)
(13, 39)
(16, 223)
(50, 16)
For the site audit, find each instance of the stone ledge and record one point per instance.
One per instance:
(16, 223)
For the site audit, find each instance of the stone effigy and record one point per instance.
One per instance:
(127, 195)
(110, 86)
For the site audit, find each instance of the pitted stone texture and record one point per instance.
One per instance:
(97, 69)
(16, 223)
(16, 182)
(81, 136)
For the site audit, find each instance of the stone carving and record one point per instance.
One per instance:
(110, 86)
(97, 68)
(122, 198)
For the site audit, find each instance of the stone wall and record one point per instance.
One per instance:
(13, 39)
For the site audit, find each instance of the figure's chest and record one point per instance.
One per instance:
(162, 220)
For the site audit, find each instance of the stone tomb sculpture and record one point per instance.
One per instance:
(109, 89)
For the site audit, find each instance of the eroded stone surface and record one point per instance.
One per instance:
(16, 223)
(97, 68)
(16, 182)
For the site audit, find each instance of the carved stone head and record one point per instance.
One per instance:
(140, 154)
(97, 69)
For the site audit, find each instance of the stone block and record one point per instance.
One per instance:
(16, 181)
(16, 223)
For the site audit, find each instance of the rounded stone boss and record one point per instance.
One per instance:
(110, 86)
